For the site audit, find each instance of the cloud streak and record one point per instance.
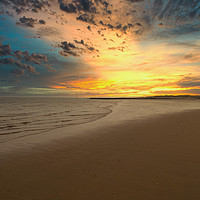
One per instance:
(19, 57)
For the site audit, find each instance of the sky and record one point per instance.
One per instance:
(99, 48)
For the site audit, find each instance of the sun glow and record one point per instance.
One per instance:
(122, 65)
(125, 66)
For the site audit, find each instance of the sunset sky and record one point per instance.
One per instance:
(99, 48)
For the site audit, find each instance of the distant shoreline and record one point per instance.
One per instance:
(150, 97)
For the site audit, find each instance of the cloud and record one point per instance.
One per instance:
(69, 8)
(5, 51)
(178, 10)
(80, 42)
(160, 13)
(18, 72)
(135, 1)
(118, 26)
(174, 18)
(41, 21)
(19, 5)
(186, 44)
(90, 48)
(29, 22)
(69, 49)
(22, 67)
(189, 82)
(86, 18)
(89, 28)
(79, 27)
(86, 6)
(120, 48)
(49, 31)
(35, 58)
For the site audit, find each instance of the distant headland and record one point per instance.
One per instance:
(154, 97)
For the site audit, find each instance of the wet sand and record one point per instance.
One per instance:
(151, 159)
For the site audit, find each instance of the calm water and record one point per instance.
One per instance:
(20, 116)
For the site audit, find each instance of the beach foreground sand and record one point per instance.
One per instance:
(152, 159)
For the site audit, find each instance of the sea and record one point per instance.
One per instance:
(25, 116)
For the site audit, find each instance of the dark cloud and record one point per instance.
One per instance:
(105, 5)
(189, 82)
(85, 6)
(67, 46)
(19, 10)
(89, 28)
(26, 21)
(79, 42)
(174, 17)
(5, 50)
(20, 5)
(78, 6)
(29, 21)
(86, 18)
(180, 10)
(34, 10)
(135, 1)
(5, 2)
(173, 32)
(69, 49)
(69, 8)
(122, 28)
(126, 27)
(110, 26)
(19, 58)
(179, 16)
(41, 21)
(35, 58)
(21, 66)
(90, 48)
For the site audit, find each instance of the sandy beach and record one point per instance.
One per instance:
(150, 159)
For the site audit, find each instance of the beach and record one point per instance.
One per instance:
(114, 158)
(99, 100)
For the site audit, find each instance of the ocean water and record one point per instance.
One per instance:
(24, 116)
